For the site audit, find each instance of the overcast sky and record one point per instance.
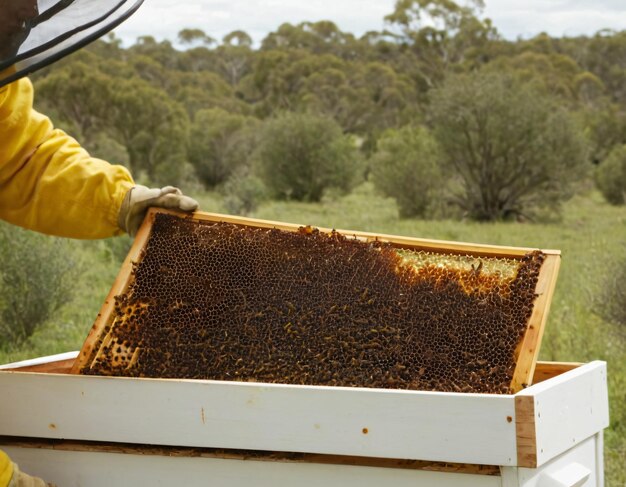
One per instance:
(513, 18)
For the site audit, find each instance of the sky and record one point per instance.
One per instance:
(163, 19)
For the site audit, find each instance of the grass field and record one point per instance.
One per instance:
(591, 236)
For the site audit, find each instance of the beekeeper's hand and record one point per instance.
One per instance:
(20, 479)
(139, 199)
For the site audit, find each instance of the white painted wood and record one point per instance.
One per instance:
(98, 469)
(600, 459)
(510, 476)
(445, 427)
(582, 454)
(42, 360)
(569, 409)
(572, 475)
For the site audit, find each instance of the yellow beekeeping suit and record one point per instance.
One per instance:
(48, 183)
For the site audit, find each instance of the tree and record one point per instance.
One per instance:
(80, 95)
(322, 37)
(264, 84)
(152, 127)
(234, 56)
(513, 149)
(220, 143)
(605, 56)
(152, 71)
(237, 38)
(611, 176)
(162, 52)
(301, 155)
(406, 167)
(194, 36)
(441, 32)
(605, 125)
(279, 79)
(364, 98)
(202, 90)
(557, 73)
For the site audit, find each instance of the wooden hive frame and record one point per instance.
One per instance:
(525, 355)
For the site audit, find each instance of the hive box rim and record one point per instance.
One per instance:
(277, 428)
(60, 361)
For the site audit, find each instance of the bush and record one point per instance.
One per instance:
(611, 176)
(220, 143)
(243, 192)
(406, 167)
(301, 155)
(35, 280)
(613, 304)
(513, 149)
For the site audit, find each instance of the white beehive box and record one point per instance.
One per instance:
(104, 431)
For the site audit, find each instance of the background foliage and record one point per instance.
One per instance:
(302, 155)
(35, 281)
(611, 176)
(513, 149)
(406, 167)
(420, 129)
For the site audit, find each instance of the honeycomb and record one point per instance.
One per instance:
(212, 300)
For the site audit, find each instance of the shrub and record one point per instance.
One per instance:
(35, 280)
(243, 192)
(513, 149)
(613, 304)
(611, 176)
(406, 167)
(301, 155)
(220, 143)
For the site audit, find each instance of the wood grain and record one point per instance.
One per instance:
(120, 285)
(103, 469)
(525, 431)
(528, 349)
(569, 409)
(548, 370)
(137, 449)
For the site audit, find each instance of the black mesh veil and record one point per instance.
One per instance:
(35, 33)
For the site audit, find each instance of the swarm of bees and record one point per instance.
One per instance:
(227, 302)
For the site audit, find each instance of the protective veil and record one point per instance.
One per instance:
(36, 33)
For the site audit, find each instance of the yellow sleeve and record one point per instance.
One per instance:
(6, 469)
(48, 183)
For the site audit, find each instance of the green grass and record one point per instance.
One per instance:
(591, 236)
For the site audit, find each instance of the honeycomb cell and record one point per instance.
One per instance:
(226, 302)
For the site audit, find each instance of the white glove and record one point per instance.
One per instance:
(140, 198)
(20, 479)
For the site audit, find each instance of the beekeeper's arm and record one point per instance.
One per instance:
(50, 184)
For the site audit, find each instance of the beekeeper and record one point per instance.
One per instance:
(48, 183)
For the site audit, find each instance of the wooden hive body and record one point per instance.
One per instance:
(53, 412)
